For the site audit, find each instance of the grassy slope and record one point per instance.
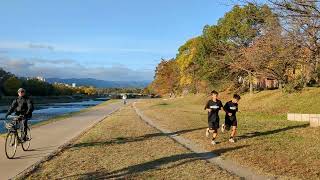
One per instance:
(122, 146)
(273, 144)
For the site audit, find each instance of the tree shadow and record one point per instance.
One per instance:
(122, 140)
(154, 165)
(275, 131)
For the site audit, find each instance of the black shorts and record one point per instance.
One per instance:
(213, 125)
(231, 121)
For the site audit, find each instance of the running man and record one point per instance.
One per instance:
(231, 108)
(213, 107)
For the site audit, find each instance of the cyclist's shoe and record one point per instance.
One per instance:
(25, 139)
(20, 141)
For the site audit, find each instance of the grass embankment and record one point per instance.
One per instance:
(123, 146)
(272, 144)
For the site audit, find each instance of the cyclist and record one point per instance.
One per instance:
(22, 106)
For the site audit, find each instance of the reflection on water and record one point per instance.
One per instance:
(45, 112)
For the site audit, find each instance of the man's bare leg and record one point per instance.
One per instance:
(233, 133)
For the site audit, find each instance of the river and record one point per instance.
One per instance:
(48, 111)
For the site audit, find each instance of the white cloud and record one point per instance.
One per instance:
(25, 45)
(11, 45)
(71, 69)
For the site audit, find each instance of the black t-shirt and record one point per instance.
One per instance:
(232, 108)
(215, 107)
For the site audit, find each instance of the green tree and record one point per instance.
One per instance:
(11, 85)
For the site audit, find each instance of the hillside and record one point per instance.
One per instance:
(273, 101)
(101, 83)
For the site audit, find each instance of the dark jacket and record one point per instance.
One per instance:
(22, 106)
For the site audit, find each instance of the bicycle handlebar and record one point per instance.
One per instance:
(11, 117)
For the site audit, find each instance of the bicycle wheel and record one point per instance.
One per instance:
(11, 145)
(26, 144)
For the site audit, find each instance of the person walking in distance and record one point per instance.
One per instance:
(124, 97)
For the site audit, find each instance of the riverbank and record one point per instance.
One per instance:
(68, 115)
(49, 138)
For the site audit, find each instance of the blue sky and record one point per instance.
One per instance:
(103, 39)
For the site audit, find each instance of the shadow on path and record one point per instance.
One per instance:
(153, 165)
(122, 140)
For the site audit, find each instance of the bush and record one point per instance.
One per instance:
(293, 86)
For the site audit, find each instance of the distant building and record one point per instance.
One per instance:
(39, 78)
(74, 85)
(61, 84)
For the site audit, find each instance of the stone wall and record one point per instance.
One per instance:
(314, 119)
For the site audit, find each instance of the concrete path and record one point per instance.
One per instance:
(225, 164)
(48, 138)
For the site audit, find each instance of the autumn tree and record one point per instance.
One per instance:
(188, 58)
(166, 77)
(239, 28)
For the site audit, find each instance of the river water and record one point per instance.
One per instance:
(45, 112)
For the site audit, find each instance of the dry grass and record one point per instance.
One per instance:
(273, 145)
(123, 146)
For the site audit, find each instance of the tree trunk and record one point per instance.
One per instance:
(250, 83)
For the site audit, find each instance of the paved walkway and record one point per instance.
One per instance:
(228, 165)
(48, 138)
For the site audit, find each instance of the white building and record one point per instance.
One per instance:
(74, 85)
(39, 78)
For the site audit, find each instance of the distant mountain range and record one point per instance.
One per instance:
(101, 83)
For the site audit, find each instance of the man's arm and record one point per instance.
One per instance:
(207, 108)
(30, 106)
(225, 108)
(12, 107)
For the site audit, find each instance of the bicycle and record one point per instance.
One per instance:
(14, 136)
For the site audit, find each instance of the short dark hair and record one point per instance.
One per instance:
(214, 92)
(237, 97)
